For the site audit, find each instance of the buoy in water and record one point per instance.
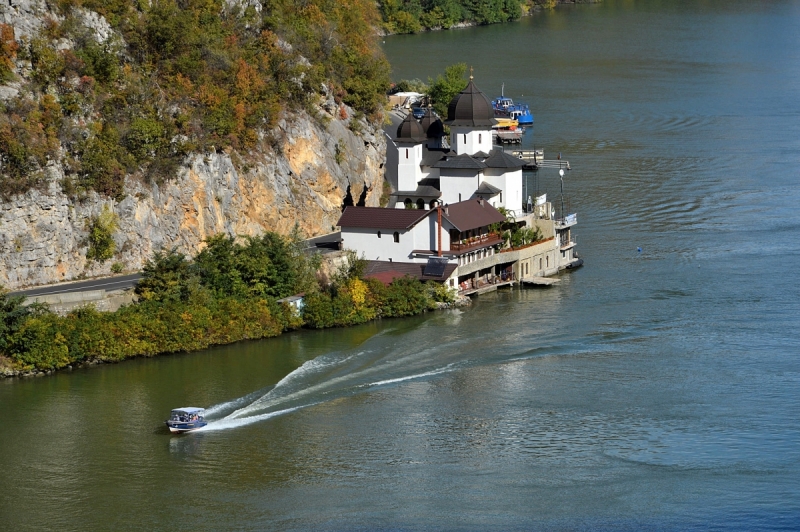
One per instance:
(639, 250)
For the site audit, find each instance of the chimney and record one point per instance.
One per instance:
(480, 200)
(439, 223)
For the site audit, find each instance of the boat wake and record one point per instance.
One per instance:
(334, 375)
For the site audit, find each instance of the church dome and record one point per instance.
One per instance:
(432, 125)
(470, 107)
(410, 130)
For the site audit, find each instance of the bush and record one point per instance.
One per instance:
(8, 52)
(101, 230)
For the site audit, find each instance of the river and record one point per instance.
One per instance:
(655, 389)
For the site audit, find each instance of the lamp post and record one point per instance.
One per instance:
(561, 177)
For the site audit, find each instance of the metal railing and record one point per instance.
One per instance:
(476, 242)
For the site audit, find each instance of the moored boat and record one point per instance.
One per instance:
(505, 107)
(186, 419)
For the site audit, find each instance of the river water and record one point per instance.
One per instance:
(655, 389)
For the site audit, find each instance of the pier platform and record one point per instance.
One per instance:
(540, 281)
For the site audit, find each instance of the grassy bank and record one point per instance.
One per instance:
(226, 293)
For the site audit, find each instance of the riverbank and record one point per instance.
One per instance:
(525, 11)
(229, 292)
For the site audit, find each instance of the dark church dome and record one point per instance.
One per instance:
(470, 107)
(410, 130)
(432, 125)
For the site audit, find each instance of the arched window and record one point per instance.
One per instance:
(465, 138)
(540, 263)
(379, 234)
(547, 260)
(480, 136)
(406, 153)
(420, 204)
(459, 196)
(396, 236)
(407, 203)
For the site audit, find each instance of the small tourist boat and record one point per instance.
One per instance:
(186, 419)
(505, 107)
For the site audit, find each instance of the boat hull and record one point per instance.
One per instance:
(184, 426)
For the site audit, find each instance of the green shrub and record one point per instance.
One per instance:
(101, 230)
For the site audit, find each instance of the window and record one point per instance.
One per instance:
(480, 136)
(540, 263)
(420, 204)
(547, 260)
(465, 138)
(379, 234)
(406, 153)
(459, 196)
(501, 197)
(396, 236)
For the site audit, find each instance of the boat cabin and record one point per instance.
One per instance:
(186, 419)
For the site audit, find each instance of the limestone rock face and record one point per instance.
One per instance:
(303, 178)
(300, 176)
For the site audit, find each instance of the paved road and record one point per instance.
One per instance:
(107, 283)
(324, 244)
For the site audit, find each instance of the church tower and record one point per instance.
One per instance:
(409, 141)
(470, 117)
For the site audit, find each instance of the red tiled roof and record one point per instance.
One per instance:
(380, 269)
(471, 214)
(380, 218)
(385, 277)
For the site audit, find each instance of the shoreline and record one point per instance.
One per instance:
(7, 371)
(536, 8)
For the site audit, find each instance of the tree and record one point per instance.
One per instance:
(447, 86)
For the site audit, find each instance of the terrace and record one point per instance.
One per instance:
(476, 242)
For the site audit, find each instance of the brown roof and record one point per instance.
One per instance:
(461, 162)
(410, 130)
(470, 107)
(381, 269)
(380, 218)
(471, 214)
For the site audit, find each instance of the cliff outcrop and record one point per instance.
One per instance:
(43, 234)
(300, 172)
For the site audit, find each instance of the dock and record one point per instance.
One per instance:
(540, 281)
(489, 287)
(534, 159)
(505, 136)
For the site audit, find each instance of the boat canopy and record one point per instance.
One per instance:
(188, 410)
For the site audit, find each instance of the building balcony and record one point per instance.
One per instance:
(567, 221)
(570, 243)
(477, 242)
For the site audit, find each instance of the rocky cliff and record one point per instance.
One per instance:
(302, 176)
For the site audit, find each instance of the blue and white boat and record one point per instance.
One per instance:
(506, 108)
(186, 419)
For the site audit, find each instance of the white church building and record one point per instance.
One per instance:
(422, 172)
(442, 220)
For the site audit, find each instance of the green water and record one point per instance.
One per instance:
(648, 390)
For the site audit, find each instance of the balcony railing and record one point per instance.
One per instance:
(476, 242)
(566, 221)
(566, 244)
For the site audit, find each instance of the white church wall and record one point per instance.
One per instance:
(458, 185)
(464, 140)
(408, 170)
